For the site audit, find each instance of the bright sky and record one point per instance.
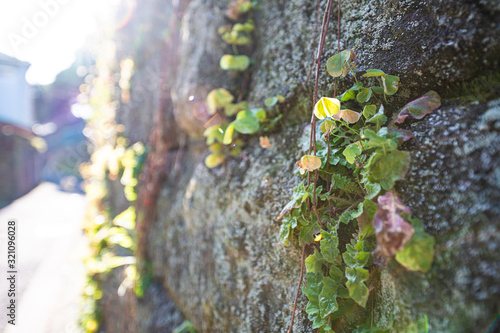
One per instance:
(46, 33)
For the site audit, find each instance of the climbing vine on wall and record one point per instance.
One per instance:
(350, 173)
(232, 116)
(358, 160)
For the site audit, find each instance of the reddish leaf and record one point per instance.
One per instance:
(402, 134)
(391, 229)
(420, 107)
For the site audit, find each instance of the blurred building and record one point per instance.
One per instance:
(19, 165)
(16, 102)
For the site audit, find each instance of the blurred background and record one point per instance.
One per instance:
(48, 52)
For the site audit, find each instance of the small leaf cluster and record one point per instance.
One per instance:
(238, 34)
(338, 66)
(357, 163)
(240, 7)
(223, 139)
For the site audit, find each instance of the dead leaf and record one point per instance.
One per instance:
(391, 229)
(309, 163)
(264, 142)
(350, 116)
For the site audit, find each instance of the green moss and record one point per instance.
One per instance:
(482, 88)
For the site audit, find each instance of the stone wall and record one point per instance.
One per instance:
(214, 243)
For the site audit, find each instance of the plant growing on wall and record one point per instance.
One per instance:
(236, 117)
(356, 163)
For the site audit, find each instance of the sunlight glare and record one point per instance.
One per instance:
(47, 33)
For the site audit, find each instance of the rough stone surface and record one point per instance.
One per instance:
(215, 240)
(214, 243)
(429, 44)
(199, 72)
(142, 40)
(454, 186)
(157, 312)
(120, 312)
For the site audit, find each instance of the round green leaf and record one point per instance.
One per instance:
(247, 27)
(336, 65)
(259, 113)
(369, 111)
(378, 90)
(213, 160)
(228, 135)
(246, 125)
(243, 114)
(218, 98)
(373, 72)
(271, 101)
(234, 62)
(388, 168)
(418, 253)
(390, 83)
(348, 95)
(351, 151)
(214, 133)
(327, 126)
(243, 40)
(364, 95)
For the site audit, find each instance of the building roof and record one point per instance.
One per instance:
(8, 60)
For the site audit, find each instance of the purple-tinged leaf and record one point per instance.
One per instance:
(400, 134)
(420, 107)
(391, 229)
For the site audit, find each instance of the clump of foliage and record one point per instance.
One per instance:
(112, 235)
(235, 117)
(112, 240)
(356, 163)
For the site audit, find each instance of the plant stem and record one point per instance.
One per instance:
(324, 28)
(354, 74)
(298, 287)
(328, 178)
(361, 187)
(354, 204)
(352, 129)
(338, 45)
(341, 200)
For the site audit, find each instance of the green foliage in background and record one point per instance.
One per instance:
(236, 118)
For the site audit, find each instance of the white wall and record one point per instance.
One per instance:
(16, 105)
